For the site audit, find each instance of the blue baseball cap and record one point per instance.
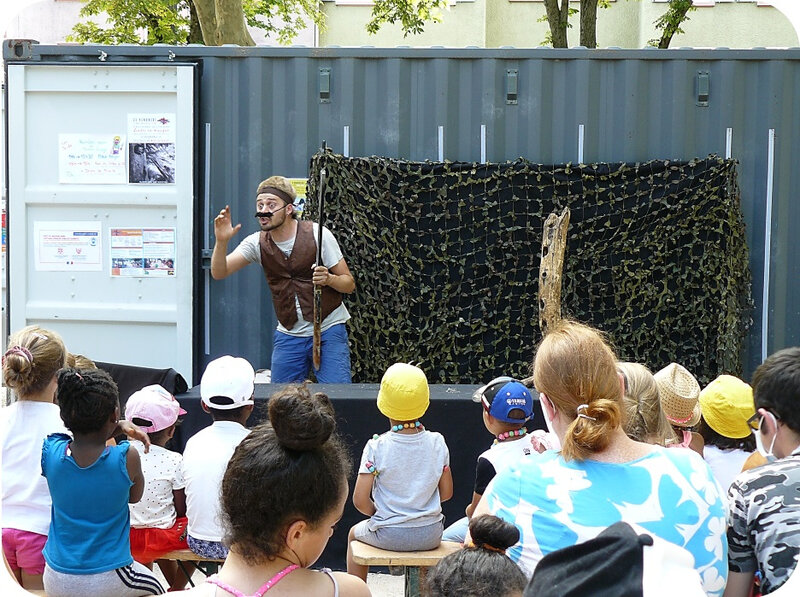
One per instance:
(503, 395)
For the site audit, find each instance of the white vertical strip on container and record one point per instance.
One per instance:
(346, 141)
(728, 143)
(580, 144)
(207, 239)
(483, 144)
(441, 143)
(767, 245)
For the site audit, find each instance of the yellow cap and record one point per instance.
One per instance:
(404, 393)
(727, 403)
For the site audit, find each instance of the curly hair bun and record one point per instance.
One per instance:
(301, 421)
(70, 381)
(492, 531)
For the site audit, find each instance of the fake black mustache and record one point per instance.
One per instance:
(269, 214)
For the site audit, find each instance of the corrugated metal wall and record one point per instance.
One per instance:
(261, 113)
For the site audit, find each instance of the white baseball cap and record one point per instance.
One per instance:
(227, 383)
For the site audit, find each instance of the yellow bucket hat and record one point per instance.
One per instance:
(404, 393)
(727, 403)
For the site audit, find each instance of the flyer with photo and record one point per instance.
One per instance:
(142, 252)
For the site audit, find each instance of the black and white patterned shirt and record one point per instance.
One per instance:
(764, 521)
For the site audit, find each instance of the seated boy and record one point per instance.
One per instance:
(507, 406)
(226, 391)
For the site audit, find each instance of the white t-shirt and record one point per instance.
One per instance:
(162, 475)
(250, 249)
(205, 459)
(26, 497)
(725, 464)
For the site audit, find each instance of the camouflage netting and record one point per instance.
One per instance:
(446, 261)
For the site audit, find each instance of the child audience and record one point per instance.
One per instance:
(644, 420)
(601, 476)
(404, 473)
(226, 391)
(158, 520)
(679, 391)
(29, 370)
(482, 568)
(88, 547)
(283, 492)
(726, 404)
(507, 406)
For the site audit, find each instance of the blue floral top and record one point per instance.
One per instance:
(556, 503)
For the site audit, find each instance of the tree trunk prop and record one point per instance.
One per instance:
(554, 243)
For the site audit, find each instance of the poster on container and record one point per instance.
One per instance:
(300, 185)
(91, 159)
(142, 252)
(151, 148)
(67, 246)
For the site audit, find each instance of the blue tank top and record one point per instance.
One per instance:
(90, 525)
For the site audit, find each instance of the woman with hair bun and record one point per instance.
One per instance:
(601, 476)
(482, 567)
(30, 364)
(283, 493)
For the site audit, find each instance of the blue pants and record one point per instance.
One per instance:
(292, 357)
(457, 531)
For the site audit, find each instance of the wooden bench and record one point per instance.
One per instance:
(415, 563)
(187, 555)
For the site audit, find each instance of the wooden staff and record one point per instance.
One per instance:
(316, 354)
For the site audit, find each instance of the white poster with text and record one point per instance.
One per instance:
(67, 246)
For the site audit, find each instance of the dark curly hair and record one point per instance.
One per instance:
(483, 568)
(712, 438)
(294, 467)
(87, 398)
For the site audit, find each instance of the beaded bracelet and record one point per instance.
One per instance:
(371, 468)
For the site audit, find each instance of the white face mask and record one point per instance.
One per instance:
(760, 443)
(554, 437)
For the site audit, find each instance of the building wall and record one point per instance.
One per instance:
(463, 25)
(626, 24)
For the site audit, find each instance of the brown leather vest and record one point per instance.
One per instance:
(290, 276)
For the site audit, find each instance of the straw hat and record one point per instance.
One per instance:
(679, 391)
(727, 404)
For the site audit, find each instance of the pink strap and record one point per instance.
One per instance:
(687, 439)
(214, 580)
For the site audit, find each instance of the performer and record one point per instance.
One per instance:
(286, 250)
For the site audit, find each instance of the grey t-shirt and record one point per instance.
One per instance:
(250, 249)
(406, 489)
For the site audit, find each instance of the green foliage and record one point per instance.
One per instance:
(134, 22)
(149, 22)
(291, 15)
(446, 260)
(670, 22)
(411, 14)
